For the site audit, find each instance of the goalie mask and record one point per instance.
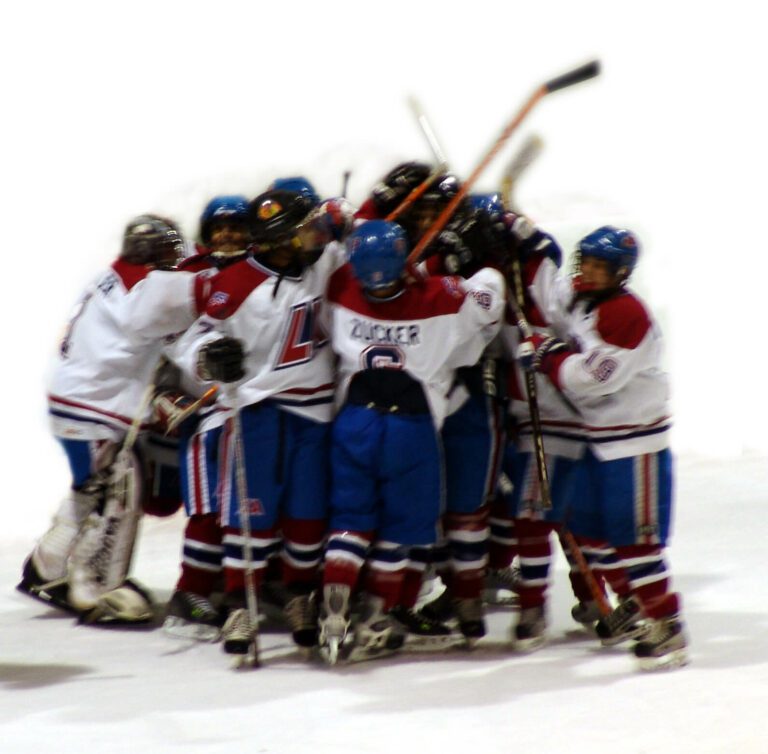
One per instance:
(152, 240)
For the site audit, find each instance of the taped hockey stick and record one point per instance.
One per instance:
(244, 508)
(576, 76)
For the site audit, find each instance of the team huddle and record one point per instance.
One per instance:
(349, 425)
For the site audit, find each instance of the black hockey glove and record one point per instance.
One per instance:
(533, 352)
(221, 360)
(468, 243)
(397, 184)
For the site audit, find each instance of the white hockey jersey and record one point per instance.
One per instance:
(432, 327)
(112, 346)
(288, 358)
(614, 377)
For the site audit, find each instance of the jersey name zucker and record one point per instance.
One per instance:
(375, 332)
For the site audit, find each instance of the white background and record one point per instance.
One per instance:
(111, 109)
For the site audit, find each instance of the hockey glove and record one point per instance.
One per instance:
(168, 410)
(535, 354)
(397, 184)
(530, 242)
(469, 242)
(221, 360)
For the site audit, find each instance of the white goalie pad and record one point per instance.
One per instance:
(129, 603)
(101, 556)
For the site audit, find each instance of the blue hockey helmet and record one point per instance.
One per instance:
(378, 251)
(232, 208)
(299, 185)
(616, 246)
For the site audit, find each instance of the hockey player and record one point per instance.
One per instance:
(106, 362)
(267, 346)
(224, 239)
(473, 434)
(399, 338)
(536, 253)
(610, 369)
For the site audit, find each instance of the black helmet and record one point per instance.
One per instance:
(274, 216)
(151, 239)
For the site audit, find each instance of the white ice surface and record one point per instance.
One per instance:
(67, 688)
(113, 109)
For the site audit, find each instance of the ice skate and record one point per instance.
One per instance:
(334, 621)
(530, 632)
(439, 609)
(377, 634)
(664, 646)
(466, 614)
(191, 616)
(471, 618)
(239, 638)
(625, 622)
(501, 586)
(302, 615)
(421, 631)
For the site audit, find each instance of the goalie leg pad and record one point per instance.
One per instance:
(102, 553)
(52, 550)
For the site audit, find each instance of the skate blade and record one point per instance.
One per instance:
(178, 628)
(633, 634)
(56, 598)
(500, 598)
(527, 646)
(364, 654)
(248, 661)
(415, 643)
(670, 661)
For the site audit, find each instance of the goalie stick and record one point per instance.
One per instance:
(583, 73)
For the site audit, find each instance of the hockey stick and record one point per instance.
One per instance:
(426, 129)
(345, 183)
(182, 416)
(416, 193)
(519, 163)
(241, 488)
(440, 168)
(576, 76)
(541, 465)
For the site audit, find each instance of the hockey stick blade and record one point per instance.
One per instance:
(576, 76)
(429, 134)
(520, 162)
